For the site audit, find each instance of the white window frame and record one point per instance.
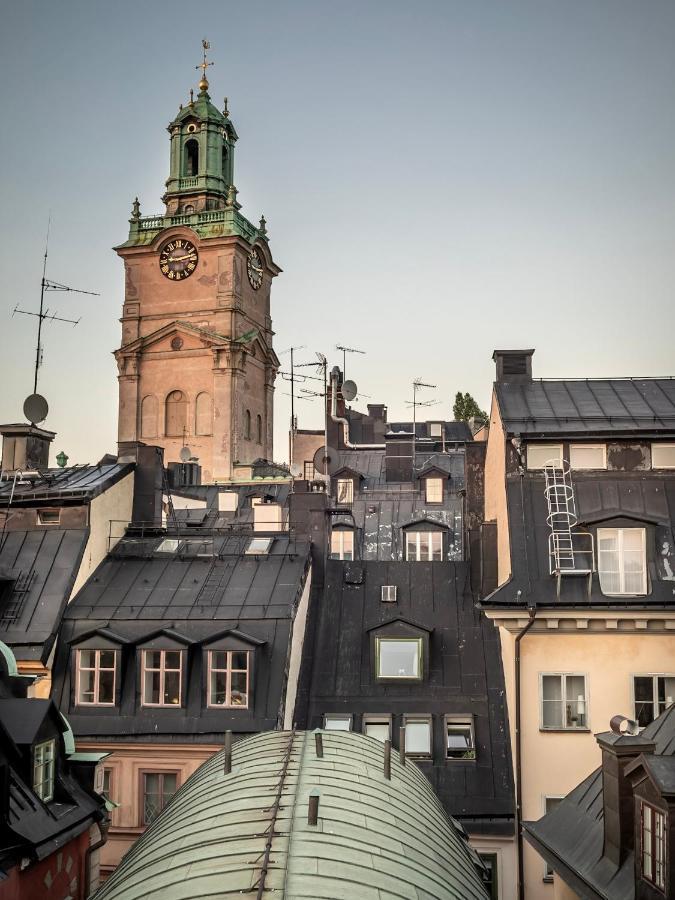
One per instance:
(657, 447)
(344, 718)
(162, 677)
(419, 719)
(579, 468)
(338, 542)
(553, 452)
(259, 546)
(228, 671)
(655, 692)
(408, 640)
(465, 721)
(432, 487)
(563, 701)
(389, 593)
(658, 840)
(49, 516)
(44, 763)
(344, 490)
(548, 871)
(375, 719)
(619, 532)
(97, 668)
(422, 538)
(435, 429)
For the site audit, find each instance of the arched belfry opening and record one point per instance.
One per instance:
(225, 161)
(191, 157)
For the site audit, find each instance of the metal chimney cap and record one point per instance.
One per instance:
(623, 725)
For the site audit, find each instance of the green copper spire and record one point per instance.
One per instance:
(202, 153)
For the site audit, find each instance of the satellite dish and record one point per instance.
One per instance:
(349, 390)
(185, 454)
(295, 470)
(326, 460)
(35, 408)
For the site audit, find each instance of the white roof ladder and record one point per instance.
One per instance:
(570, 552)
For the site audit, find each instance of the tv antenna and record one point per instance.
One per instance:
(294, 426)
(345, 351)
(47, 284)
(417, 385)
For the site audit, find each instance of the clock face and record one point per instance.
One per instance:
(254, 269)
(178, 259)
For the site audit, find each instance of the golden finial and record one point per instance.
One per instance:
(203, 65)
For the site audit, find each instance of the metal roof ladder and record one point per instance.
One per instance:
(570, 552)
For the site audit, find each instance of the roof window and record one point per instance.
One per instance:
(49, 516)
(663, 456)
(259, 546)
(168, 545)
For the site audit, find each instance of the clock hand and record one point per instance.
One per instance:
(180, 258)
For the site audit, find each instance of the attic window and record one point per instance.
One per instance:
(259, 545)
(460, 743)
(49, 516)
(168, 545)
(399, 658)
(538, 455)
(388, 593)
(337, 722)
(434, 490)
(43, 770)
(435, 429)
(663, 456)
(345, 490)
(653, 845)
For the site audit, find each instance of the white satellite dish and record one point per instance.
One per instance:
(185, 454)
(349, 390)
(295, 470)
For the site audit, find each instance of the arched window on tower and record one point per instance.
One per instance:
(176, 414)
(191, 157)
(247, 424)
(203, 416)
(225, 161)
(149, 416)
(259, 429)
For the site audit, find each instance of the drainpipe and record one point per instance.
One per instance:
(103, 826)
(345, 422)
(532, 611)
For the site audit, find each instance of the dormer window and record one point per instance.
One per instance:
(622, 563)
(44, 756)
(228, 678)
(424, 546)
(399, 658)
(342, 544)
(434, 490)
(161, 676)
(95, 677)
(435, 429)
(345, 490)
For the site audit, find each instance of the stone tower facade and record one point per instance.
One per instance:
(196, 362)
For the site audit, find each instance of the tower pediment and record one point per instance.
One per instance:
(191, 336)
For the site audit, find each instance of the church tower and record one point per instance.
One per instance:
(196, 363)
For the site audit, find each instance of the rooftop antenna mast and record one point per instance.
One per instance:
(345, 351)
(294, 424)
(416, 385)
(47, 284)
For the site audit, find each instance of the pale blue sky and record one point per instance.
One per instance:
(439, 179)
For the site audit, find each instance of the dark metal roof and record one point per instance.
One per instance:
(454, 431)
(42, 565)
(643, 496)
(55, 485)
(572, 834)
(465, 672)
(587, 406)
(23, 720)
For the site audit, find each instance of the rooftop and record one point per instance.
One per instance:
(375, 838)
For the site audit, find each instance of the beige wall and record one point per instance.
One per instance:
(112, 505)
(495, 489)
(505, 851)
(561, 891)
(304, 448)
(608, 651)
(127, 763)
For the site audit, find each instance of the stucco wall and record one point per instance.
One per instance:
(304, 448)
(495, 489)
(505, 851)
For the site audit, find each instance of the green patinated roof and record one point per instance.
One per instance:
(375, 838)
(202, 109)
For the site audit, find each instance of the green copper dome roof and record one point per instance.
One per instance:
(374, 838)
(202, 109)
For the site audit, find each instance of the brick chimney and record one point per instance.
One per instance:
(514, 366)
(618, 751)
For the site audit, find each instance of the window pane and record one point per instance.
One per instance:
(172, 659)
(539, 454)
(218, 659)
(169, 784)
(608, 561)
(666, 693)
(585, 457)
(644, 699)
(411, 545)
(345, 490)
(417, 737)
(240, 660)
(552, 701)
(87, 659)
(434, 493)
(86, 686)
(153, 659)
(575, 701)
(399, 659)
(172, 688)
(348, 545)
(218, 688)
(379, 730)
(107, 659)
(436, 544)
(551, 803)
(238, 695)
(338, 723)
(460, 743)
(106, 686)
(663, 456)
(151, 687)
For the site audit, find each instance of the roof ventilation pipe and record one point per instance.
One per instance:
(344, 422)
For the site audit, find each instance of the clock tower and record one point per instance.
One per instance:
(196, 362)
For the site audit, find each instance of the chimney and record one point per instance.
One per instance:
(619, 748)
(514, 366)
(377, 411)
(25, 447)
(148, 481)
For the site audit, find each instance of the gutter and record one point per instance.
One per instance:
(532, 611)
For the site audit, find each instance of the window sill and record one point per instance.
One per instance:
(583, 730)
(452, 760)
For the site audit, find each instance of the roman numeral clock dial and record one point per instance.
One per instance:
(178, 259)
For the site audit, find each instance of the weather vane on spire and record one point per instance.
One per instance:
(203, 84)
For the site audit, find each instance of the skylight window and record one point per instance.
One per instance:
(168, 545)
(259, 545)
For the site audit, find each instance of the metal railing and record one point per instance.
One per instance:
(576, 555)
